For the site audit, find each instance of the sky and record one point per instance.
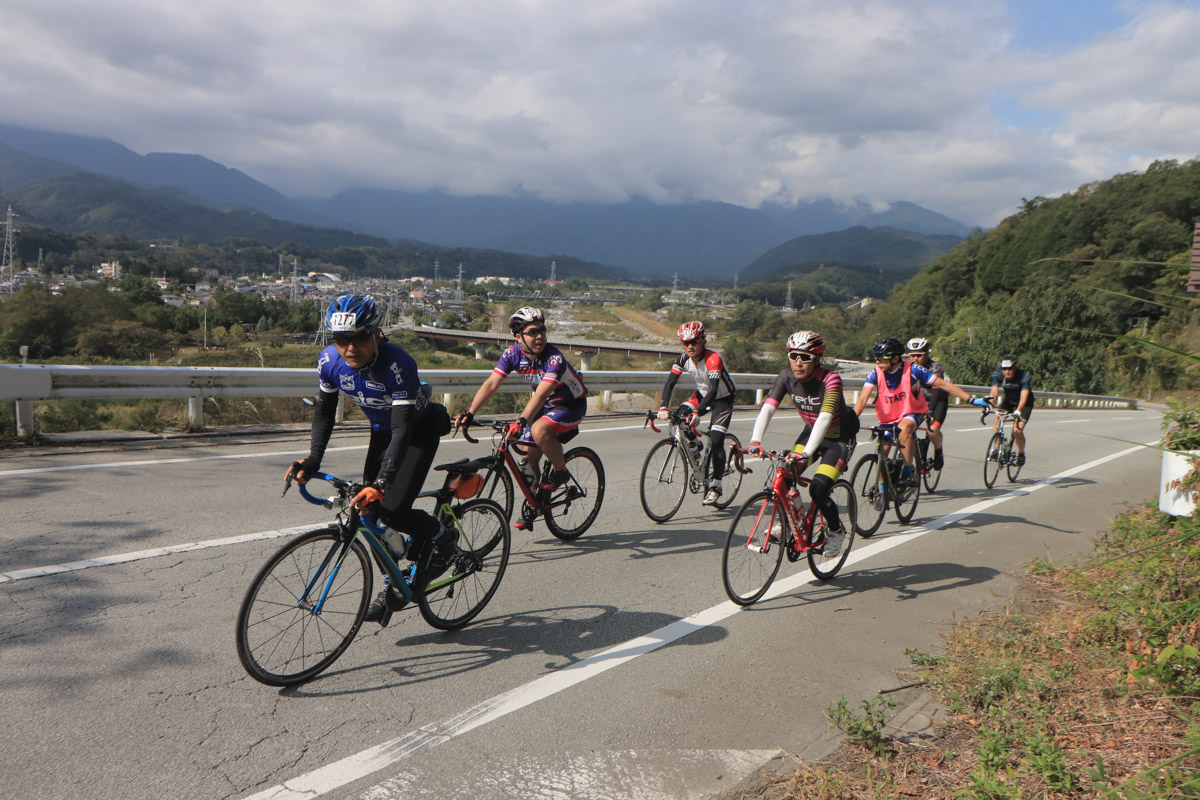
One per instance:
(965, 107)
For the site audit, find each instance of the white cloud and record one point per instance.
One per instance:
(672, 100)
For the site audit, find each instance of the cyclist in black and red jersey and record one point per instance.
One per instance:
(829, 425)
(938, 400)
(714, 392)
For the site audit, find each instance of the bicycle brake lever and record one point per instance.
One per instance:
(287, 484)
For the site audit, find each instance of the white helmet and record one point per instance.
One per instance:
(918, 344)
(523, 316)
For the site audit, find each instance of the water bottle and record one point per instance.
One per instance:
(397, 543)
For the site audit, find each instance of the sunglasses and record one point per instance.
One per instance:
(356, 339)
(915, 355)
(534, 331)
(803, 358)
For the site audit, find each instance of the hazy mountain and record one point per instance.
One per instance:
(884, 248)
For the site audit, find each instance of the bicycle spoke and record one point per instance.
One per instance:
(754, 548)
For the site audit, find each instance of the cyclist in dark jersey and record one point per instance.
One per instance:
(405, 429)
(1011, 387)
(829, 425)
(556, 407)
(938, 400)
(714, 391)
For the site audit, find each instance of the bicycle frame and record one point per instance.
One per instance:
(677, 425)
(781, 485)
(502, 449)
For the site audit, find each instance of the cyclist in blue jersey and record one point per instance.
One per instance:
(555, 409)
(405, 428)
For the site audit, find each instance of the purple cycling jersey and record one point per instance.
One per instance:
(551, 366)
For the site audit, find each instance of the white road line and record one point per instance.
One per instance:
(361, 764)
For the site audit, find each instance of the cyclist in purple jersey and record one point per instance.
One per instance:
(829, 426)
(556, 407)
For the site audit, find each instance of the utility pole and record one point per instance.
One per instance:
(8, 272)
(458, 294)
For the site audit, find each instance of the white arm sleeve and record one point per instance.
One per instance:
(817, 434)
(764, 419)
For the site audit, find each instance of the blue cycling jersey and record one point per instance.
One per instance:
(390, 380)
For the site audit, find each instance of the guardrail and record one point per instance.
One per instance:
(25, 383)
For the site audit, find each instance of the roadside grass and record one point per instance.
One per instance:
(1087, 685)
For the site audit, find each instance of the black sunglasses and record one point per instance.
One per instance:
(346, 339)
(534, 331)
(803, 358)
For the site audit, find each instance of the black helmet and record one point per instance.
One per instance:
(1007, 361)
(888, 347)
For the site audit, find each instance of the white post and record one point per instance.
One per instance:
(195, 413)
(25, 419)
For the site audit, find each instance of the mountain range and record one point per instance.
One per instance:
(72, 182)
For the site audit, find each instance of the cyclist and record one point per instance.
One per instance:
(899, 402)
(829, 425)
(714, 391)
(1014, 382)
(554, 411)
(405, 429)
(938, 400)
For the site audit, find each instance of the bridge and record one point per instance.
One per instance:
(585, 349)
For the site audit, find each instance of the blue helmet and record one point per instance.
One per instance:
(353, 313)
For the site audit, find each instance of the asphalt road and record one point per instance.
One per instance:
(609, 667)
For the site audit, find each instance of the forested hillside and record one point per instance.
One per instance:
(1058, 282)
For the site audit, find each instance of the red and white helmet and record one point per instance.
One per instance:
(806, 342)
(691, 331)
(523, 316)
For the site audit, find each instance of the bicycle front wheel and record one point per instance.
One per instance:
(664, 480)
(929, 475)
(754, 548)
(1012, 467)
(731, 480)
(498, 486)
(905, 497)
(824, 566)
(870, 495)
(484, 542)
(283, 638)
(575, 504)
(991, 461)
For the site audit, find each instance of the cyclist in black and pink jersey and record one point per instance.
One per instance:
(714, 392)
(900, 402)
(829, 426)
(554, 411)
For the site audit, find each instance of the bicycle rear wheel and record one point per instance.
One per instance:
(1012, 467)
(754, 548)
(484, 541)
(281, 638)
(991, 461)
(869, 494)
(930, 476)
(823, 566)
(904, 498)
(731, 480)
(498, 486)
(575, 504)
(664, 480)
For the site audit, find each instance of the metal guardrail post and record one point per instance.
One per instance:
(25, 419)
(195, 414)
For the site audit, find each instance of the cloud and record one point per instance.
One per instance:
(672, 100)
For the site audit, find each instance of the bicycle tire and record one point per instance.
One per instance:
(871, 501)
(991, 460)
(664, 480)
(569, 520)
(904, 501)
(929, 476)
(1012, 468)
(484, 543)
(746, 571)
(731, 481)
(280, 641)
(498, 486)
(825, 567)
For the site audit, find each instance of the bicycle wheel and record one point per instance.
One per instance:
(904, 500)
(664, 480)
(484, 541)
(825, 567)
(991, 461)
(498, 486)
(1012, 467)
(870, 496)
(731, 480)
(576, 503)
(281, 638)
(931, 477)
(751, 560)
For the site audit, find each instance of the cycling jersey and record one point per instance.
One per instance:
(822, 393)
(713, 381)
(390, 380)
(900, 394)
(1010, 390)
(551, 366)
(933, 395)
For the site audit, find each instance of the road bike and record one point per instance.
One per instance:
(775, 521)
(931, 476)
(683, 462)
(569, 510)
(877, 484)
(1000, 449)
(307, 603)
